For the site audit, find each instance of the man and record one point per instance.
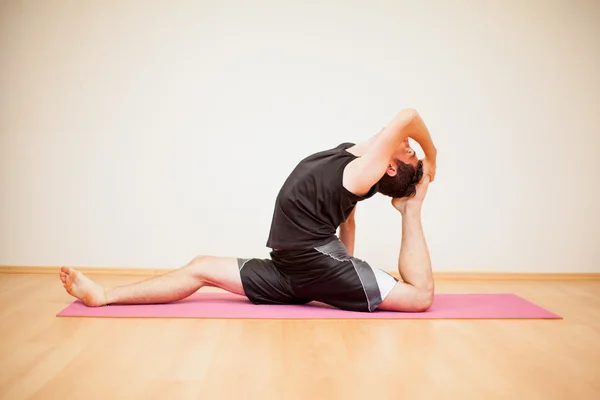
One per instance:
(309, 262)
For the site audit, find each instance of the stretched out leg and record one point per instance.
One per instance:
(222, 272)
(415, 293)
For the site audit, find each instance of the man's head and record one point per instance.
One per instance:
(403, 173)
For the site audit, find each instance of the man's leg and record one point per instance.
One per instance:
(178, 284)
(415, 294)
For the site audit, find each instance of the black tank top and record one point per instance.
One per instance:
(313, 202)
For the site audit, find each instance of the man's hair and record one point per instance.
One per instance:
(404, 183)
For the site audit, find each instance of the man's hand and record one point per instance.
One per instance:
(402, 203)
(429, 167)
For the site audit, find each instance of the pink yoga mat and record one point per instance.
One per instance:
(225, 305)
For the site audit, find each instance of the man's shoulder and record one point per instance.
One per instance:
(322, 166)
(335, 149)
(321, 159)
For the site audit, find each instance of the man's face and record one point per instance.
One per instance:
(406, 154)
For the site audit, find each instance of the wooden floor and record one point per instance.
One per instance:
(45, 357)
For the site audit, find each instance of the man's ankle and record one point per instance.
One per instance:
(413, 207)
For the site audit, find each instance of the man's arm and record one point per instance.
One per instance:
(361, 174)
(347, 232)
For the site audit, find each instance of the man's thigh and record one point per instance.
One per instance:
(345, 282)
(352, 285)
(264, 283)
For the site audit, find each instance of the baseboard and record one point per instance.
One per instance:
(515, 276)
(42, 270)
(463, 276)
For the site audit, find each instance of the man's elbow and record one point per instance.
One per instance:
(404, 119)
(410, 114)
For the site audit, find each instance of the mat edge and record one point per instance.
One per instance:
(327, 318)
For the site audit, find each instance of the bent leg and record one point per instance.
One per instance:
(415, 294)
(221, 272)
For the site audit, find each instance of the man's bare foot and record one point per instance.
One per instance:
(416, 201)
(81, 287)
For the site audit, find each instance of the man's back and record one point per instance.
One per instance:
(313, 202)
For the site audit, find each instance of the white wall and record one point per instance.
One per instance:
(139, 134)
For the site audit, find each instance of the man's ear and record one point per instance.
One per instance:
(391, 170)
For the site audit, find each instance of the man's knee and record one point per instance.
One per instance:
(408, 298)
(198, 260)
(214, 270)
(423, 296)
(424, 300)
(199, 266)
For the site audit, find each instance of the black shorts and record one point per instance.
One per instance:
(327, 274)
